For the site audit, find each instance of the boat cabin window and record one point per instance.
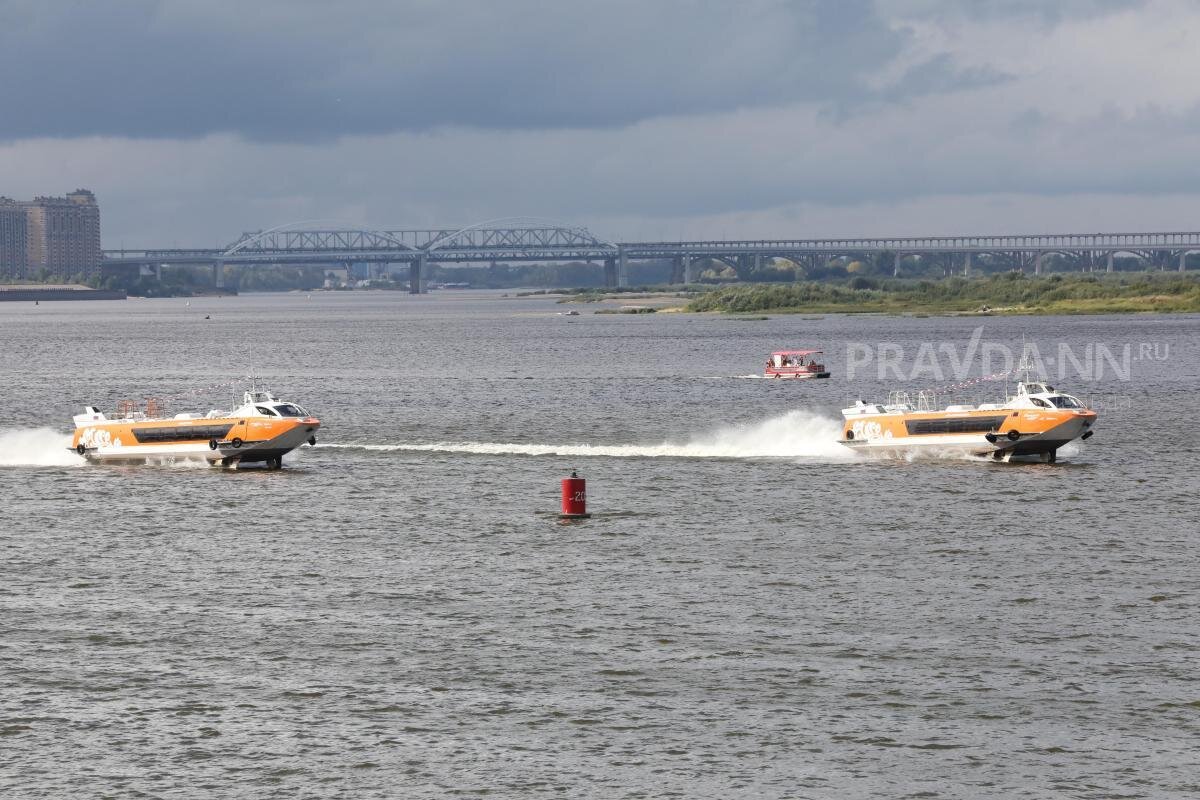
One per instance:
(1065, 401)
(289, 410)
(779, 360)
(266, 412)
(1037, 401)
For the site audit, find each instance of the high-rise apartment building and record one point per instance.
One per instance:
(14, 239)
(63, 234)
(60, 235)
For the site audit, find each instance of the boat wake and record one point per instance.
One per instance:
(797, 434)
(730, 377)
(36, 447)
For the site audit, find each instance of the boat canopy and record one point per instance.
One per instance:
(795, 352)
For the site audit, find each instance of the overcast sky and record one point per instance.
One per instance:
(643, 119)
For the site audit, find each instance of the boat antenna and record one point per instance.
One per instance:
(1020, 365)
(1025, 367)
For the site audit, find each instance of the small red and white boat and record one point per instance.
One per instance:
(795, 364)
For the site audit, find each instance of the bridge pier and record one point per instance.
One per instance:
(158, 272)
(219, 274)
(1182, 260)
(622, 267)
(801, 266)
(676, 270)
(417, 274)
(688, 271)
(896, 265)
(1108, 262)
(967, 265)
(610, 272)
(1037, 263)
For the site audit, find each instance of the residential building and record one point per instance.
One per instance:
(14, 239)
(63, 234)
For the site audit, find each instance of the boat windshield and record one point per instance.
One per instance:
(289, 410)
(1065, 401)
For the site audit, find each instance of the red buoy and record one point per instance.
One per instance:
(574, 497)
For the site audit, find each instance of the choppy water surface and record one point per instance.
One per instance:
(752, 612)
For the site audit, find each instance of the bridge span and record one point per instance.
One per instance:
(539, 241)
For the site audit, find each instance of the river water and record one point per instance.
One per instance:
(751, 612)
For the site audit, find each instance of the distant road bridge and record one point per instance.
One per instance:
(522, 240)
(1085, 250)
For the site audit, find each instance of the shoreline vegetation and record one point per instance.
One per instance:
(1006, 293)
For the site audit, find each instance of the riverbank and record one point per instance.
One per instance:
(1009, 293)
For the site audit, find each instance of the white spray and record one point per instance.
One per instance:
(36, 447)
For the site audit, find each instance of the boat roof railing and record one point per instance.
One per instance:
(925, 400)
(794, 352)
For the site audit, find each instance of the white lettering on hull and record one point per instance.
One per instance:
(869, 430)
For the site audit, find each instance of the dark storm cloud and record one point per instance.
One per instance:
(195, 121)
(298, 71)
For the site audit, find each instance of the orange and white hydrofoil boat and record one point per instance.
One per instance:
(262, 430)
(1035, 422)
(795, 364)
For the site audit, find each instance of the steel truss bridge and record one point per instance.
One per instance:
(539, 241)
